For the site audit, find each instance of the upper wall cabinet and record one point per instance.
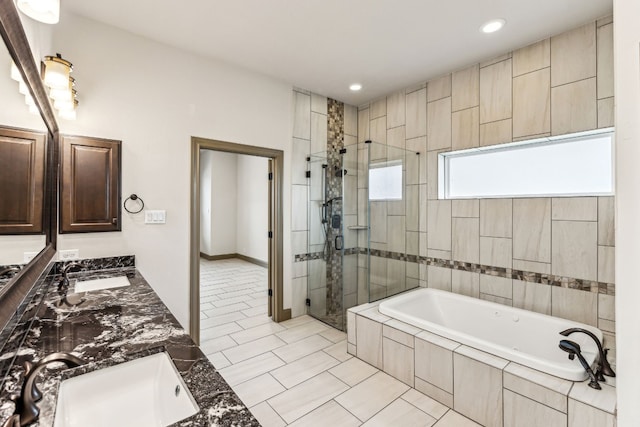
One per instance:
(22, 158)
(90, 185)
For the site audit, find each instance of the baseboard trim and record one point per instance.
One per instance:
(239, 256)
(253, 260)
(217, 257)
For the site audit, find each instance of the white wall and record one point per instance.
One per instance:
(219, 237)
(206, 168)
(154, 98)
(234, 203)
(627, 92)
(253, 207)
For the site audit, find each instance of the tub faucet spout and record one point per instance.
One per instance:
(574, 350)
(603, 364)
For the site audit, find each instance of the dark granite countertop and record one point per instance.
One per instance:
(113, 326)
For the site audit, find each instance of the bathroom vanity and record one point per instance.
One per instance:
(107, 327)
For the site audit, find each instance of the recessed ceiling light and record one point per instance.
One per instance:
(493, 26)
(355, 87)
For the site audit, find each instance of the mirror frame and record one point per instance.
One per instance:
(14, 292)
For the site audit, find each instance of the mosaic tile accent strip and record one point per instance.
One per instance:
(333, 191)
(526, 276)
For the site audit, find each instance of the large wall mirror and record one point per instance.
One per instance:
(26, 253)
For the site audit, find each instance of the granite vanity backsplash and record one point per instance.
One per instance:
(108, 327)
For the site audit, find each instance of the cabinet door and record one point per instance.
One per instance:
(90, 185)
(22, 157)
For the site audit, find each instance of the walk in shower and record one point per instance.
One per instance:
(364, 227)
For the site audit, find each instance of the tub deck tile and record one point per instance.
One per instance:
(434, 364)
(477, 387)
(520, 411)
(363, 307)
(545, 380)
(375, 315)
(536, 392)
(400, 332)
(438, 340)
(604, 400)
(481, 356)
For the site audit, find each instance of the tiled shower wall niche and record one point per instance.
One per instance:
(551, 255)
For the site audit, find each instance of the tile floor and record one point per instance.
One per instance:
(298, 372)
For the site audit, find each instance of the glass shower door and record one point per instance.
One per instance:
(326, 239)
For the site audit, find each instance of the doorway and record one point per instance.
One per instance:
(275, 262)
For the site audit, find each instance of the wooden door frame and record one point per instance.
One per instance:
(275, 256)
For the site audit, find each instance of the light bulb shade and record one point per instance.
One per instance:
(22, 88)
(65, 106)
(56, 72)
(47, 11)
(15, 73)
(62, 94)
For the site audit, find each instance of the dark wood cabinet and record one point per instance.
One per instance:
(89, 185)
(22, 159)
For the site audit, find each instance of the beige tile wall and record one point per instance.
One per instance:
(306, 130)
(559, 85)
(504, 393)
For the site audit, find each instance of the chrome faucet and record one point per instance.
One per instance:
(26, 409)
(603, 364)
(574, 350)
(65, 273)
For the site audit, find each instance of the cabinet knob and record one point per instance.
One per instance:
(114, 221)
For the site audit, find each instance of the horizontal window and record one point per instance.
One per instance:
(570, 165)
(385, 181)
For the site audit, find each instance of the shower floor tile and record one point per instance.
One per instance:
(298, 372)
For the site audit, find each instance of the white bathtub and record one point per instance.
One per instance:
(521, 336)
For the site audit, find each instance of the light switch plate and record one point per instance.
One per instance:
(68, 254)
(155, 216)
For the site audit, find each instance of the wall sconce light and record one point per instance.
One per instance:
(55, 74)
(61, 84)
(15, 73)
(47, 11)
(56, 71)
(65, 94)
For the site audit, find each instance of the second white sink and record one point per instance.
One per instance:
(98, 284)
(143, 392)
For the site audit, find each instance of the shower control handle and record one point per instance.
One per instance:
(339, 242)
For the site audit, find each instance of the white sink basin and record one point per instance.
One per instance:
(98, 284)
(143, 392)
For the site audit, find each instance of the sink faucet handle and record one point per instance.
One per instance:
(29, 367)
(26, 406)
(12, 421)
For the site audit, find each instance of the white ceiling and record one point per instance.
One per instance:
(325, 45)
